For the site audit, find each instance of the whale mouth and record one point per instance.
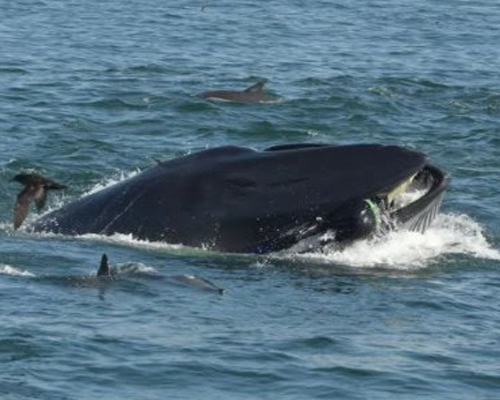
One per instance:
(415, 207)
(411, 205)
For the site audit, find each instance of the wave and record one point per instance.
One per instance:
(140, 69)
(13, 70)
(115, 103)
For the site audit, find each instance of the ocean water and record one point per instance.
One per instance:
(93, 91)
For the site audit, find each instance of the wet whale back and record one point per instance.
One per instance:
(231, 198)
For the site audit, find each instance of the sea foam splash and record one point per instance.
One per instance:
(110, 182)
(449, 234)
(135, 269)
(8, 270)
(129, 240)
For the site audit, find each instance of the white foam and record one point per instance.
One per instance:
(6, 226)
(129, 240)
(449, 234)
(135, 269)
(111, 181)
(8, 270)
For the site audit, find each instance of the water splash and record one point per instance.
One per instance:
(134, 269)
(405, 250)
(110, 182)
(129, 241)
(8, 270)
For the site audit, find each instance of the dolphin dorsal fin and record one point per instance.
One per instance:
(104, 268)
(257, 88)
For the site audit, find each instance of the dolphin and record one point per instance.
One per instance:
(254, 94)
(104, 273)
(237, 199)
(36, 188)
(198, 282)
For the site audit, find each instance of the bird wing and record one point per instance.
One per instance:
(40, 197)
(27, 195)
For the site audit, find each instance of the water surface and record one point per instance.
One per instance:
(92, 92)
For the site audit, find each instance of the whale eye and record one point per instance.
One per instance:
(239, 186)
(240, 181)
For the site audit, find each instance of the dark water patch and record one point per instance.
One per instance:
(483, 381)
(18, 349)
(253, 356)
(415, 85)
(352, 372)
(140, 69)
(142, 123)
(19, 389)
(316, 343)
(116, 104)
(215, 371)
(437, 360)
(13, 102)
(197, 105)
(422, 305)
(78, 125)
(13, 71)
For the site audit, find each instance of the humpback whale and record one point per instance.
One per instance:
(254, 94)
(35, 189)
(237, 199)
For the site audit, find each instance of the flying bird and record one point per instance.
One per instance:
(35, 189)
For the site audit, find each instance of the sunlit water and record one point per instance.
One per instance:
(93, 92)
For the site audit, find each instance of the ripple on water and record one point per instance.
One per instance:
(20, 347)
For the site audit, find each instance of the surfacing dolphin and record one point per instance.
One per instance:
(36, 188)
(198, 282)
(254, 94)
(236, 199)
(104, 273)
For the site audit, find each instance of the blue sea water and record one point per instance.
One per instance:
(93, 91)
